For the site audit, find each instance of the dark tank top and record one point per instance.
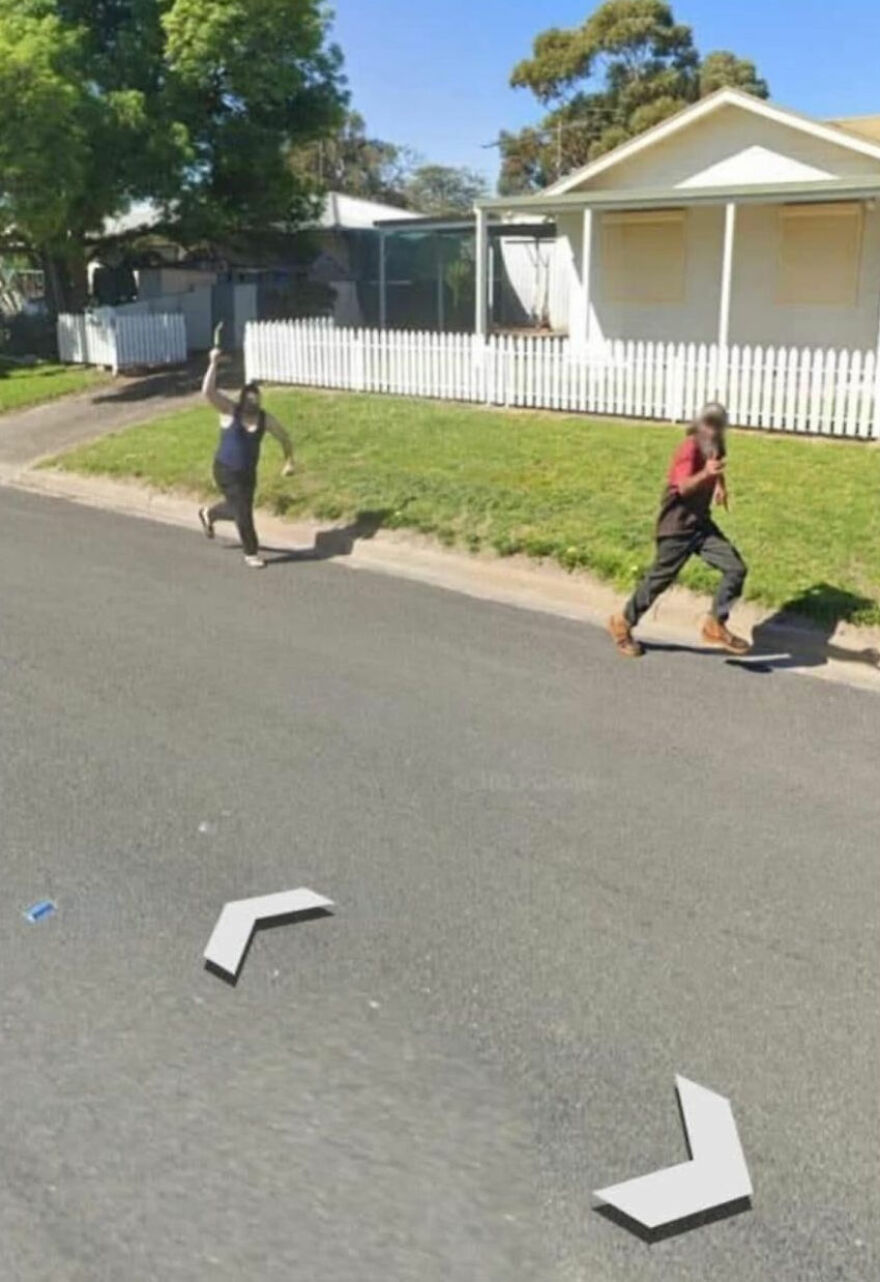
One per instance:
(239, 449)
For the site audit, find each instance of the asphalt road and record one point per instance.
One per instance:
(561, 879)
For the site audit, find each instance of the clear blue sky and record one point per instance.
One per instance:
(433, 73)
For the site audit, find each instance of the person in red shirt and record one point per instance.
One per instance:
(685, 528)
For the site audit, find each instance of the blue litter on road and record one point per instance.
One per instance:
(43, 908)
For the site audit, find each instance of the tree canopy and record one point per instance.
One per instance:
(351, 161)
(444, 189)
(194, 104)
(628, 66)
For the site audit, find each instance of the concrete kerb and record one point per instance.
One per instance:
(850, 654)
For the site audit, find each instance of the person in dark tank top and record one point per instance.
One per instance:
(243, 424)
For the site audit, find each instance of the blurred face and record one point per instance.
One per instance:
(250, 406)
(710, 434)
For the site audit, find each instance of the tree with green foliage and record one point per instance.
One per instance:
(626, 68)
(444, 189)
(250, 79)
(350, 161)
(722, 70)
(194, 104)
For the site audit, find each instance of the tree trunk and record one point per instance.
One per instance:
(67, 285)
(77, 281)
(54, 289)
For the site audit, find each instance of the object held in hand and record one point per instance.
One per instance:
(218, 334)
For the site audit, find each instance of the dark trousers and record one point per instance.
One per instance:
(673, 551)
(238, 504)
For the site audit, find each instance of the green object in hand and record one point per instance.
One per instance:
(218, 334)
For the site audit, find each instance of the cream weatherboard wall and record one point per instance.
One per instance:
(693, 318)
(759, 312)
(781, 293)
(760, 315)
(733, 146)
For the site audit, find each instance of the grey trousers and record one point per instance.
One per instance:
(673, 551)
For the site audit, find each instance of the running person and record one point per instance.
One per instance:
(685, 529)
(243, 424)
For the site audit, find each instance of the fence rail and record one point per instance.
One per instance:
(796, 389)
(195, 305)
(121, 342)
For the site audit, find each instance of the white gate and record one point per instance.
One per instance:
(122, 342)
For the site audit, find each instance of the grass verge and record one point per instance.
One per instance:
(25, 385)
(584, 492)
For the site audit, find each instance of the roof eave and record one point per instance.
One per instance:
(656, 198)
(704, 107)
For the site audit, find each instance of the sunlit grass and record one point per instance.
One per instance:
(23, 385)
(584, 492)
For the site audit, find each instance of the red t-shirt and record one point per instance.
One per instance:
(680, 514)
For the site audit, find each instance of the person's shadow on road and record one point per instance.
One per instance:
(799, 634)
(335, 542)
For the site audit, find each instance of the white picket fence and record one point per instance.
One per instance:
(834, 393)
(195, 305)
(121, 342)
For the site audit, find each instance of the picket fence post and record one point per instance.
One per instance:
(791, 389)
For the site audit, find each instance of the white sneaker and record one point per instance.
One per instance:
(255, 562)
(207, 523)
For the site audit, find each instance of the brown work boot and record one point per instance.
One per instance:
(627, 645)
(714, 632)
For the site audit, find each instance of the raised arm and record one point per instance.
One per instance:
(209, 386)
(282, 436)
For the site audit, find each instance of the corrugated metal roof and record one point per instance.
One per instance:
(345, 212)
(521, 227)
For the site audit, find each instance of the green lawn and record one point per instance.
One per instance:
(23, 385)
(806, 514)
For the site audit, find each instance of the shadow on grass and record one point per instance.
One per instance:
(33, 371)
(798, 635)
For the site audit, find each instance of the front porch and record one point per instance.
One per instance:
(787, 266)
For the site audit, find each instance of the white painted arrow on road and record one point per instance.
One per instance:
(716, 1175)
(236, 923)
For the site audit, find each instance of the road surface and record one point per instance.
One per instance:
(560, 880)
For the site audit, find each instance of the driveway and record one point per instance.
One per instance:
(44, 430)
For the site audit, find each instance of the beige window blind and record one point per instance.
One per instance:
(820, 253)
(643, 256)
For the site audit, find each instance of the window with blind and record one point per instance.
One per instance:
(820, 253)
(643, 256)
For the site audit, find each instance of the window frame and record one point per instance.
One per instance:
(831, 213)
(612, 289)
